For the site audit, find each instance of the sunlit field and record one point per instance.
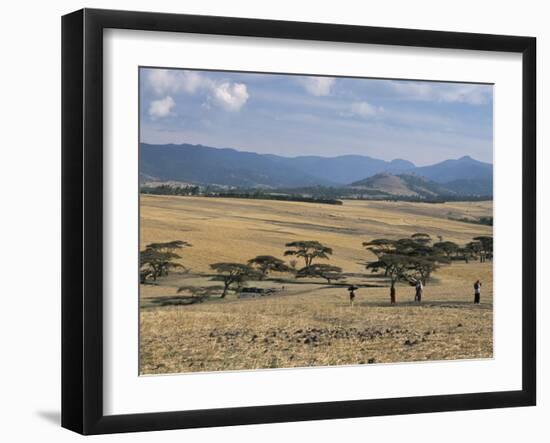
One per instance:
(307, 321)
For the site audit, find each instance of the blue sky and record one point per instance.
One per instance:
(290, 115)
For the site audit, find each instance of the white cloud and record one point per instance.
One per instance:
(365, 110)
(161, 108)
(443, 92)
(161, 80)
(318, 86)
(230, 96)
(164, 81)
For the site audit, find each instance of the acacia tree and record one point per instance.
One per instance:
(448, 248)
(267, 263)
(406, 259)
(485, 247)
(422, 267)
(472, 250)
(328, 272)
(154, 264)
(380, 246)
(421, 238)
(233, 274)
(158, 258)
(308, 250)
(396, 267)
(423, 258)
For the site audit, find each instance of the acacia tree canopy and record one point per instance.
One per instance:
(267, 263)
(422, 267)
(158, 258)
(446, 247)
(380, 246)
(328, 272)
(308, 250)
(422, 238)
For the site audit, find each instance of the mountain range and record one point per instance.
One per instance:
(205, 165)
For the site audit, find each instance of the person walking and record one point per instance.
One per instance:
(419, 288)
(352, 290)
(477, 292)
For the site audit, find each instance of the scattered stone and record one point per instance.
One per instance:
(459, 325)
(370, 361)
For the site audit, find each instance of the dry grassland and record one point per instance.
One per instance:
(308, 323)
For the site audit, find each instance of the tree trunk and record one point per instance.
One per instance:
(392, 293)
(225, 287)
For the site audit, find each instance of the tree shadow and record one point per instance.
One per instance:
(347, 285)
(176, 300)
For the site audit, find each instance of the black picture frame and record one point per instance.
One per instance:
(82, 218)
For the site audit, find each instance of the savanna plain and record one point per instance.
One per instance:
(282, 321)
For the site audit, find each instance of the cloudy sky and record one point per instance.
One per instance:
(291, 115)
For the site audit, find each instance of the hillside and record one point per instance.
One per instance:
(386, 183)
(344, 169)
(464, 168)
(229, 167)
(408, 185)
(225, 167)
(204, 165)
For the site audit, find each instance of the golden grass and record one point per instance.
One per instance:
(309, 324)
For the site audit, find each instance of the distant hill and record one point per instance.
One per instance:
(464, 168)
(228, 167)
(386, 183)
(225, 167)
(465, 176)
(407, 185)
(344, 169)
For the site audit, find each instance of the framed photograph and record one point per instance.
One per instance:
(268, 221)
